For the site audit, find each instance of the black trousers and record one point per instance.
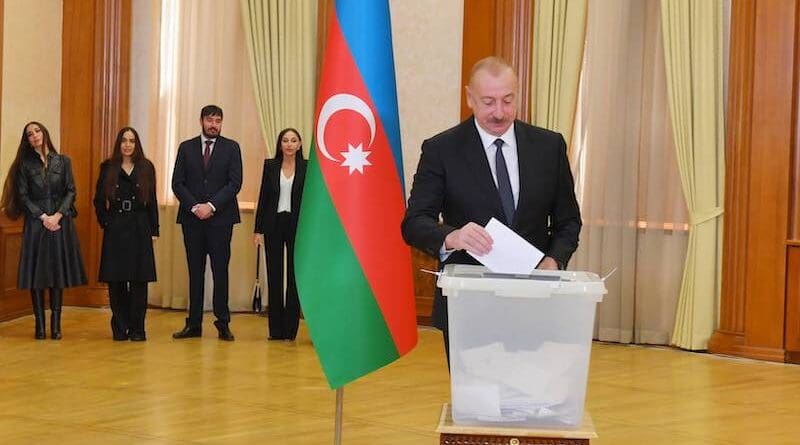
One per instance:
(284, 309)
(128, 308)
(203, 240)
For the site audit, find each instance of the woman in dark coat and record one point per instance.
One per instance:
(276, 225)
(127, 210)
(40, 186)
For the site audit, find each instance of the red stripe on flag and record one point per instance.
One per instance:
(370, 204)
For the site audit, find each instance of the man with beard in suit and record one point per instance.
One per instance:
(206, 180)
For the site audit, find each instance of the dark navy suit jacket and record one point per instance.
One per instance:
(453, 179)
(218, 184)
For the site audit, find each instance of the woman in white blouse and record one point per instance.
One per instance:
(275, 228)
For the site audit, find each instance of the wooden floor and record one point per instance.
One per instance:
(87, 389)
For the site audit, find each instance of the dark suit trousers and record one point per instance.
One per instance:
(128, 307)
(284, 317)
(215, 241)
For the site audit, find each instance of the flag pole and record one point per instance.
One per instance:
(337, 437)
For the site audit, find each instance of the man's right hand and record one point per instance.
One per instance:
(471, 237)
(203, 211)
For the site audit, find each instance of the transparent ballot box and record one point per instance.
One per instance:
(519, 345)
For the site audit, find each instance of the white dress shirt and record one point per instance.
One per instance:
(512, 165)
(285, 196)
(203, 140)
(509, 153)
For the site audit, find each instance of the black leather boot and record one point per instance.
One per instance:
(56, 298)
(37, 299)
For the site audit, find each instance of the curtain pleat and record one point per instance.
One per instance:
(693, 53)
(281, 43)
(559, 29)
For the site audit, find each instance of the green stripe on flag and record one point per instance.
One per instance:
(345, 322)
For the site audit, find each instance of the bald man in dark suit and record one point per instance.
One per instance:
(491, 165)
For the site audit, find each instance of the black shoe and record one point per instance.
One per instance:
(224, 331)
(56, 299)
(271, 338)
(55, 325)
(120, 337)
(37, 297)
(138, 337)
(188, 332)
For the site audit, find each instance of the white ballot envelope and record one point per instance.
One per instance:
(510, 252)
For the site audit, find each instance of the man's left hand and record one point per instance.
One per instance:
(204, 211)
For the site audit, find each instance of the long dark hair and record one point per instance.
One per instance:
(145, 172)
(10, 203)
(279, 152)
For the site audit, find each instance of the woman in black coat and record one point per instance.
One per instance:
(40, 186)
(127, 210)
(276, 225)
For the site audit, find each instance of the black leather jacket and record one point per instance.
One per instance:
(46, 191)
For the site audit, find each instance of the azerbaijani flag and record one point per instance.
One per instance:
(352, 267)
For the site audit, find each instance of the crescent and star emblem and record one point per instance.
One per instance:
(355, 158)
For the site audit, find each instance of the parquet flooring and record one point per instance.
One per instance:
(88, 389)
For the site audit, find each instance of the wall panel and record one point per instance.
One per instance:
(94, 105)
(759, 276)
(501, 28)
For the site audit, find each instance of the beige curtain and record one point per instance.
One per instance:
(559, 28)
(693, 54)
(281, 38)
(626, 174)
(199, 56)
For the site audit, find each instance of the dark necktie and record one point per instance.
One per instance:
(207, 153)
(504, 182)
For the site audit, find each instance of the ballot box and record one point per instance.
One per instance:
(519, 345)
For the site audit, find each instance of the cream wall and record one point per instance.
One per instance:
(31, 72)
(427, 56)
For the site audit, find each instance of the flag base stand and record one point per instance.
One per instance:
(337, 436)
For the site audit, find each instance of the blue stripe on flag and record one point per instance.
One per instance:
(367, 29)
